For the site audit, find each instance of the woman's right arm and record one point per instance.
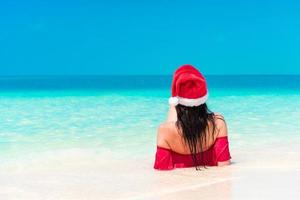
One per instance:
(225, 163)
(223, 132)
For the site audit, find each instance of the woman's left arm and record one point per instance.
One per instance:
(172, 115)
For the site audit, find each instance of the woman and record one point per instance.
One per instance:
(192, 134)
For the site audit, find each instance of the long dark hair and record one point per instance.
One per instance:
(193, 123)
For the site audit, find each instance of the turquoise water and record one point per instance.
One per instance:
(120, 117)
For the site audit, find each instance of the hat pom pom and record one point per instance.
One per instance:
(173, 101)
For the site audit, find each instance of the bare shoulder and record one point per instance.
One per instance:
(164, 134)
(221, 125)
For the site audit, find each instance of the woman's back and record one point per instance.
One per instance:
(169, 136)
(172, 151)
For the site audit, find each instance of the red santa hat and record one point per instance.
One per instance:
(188, 87)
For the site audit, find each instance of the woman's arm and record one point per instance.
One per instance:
(220, 164)
(222, 132)
(172, 115)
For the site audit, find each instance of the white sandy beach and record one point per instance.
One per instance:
(86, 174)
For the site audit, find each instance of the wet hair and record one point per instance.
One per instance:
(193, 123)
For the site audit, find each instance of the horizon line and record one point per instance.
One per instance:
(90, 75)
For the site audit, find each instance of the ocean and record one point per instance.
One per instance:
(95, 135)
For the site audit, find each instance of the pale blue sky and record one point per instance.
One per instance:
(149, 37)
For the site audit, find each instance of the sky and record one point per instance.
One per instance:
(130, 37)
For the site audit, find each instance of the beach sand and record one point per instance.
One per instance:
(86, 174)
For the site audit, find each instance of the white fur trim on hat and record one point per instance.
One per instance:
(188, 102)
(173, 101)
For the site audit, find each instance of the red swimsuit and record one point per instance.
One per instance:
(166, 159)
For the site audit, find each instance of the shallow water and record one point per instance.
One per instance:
(99, 144)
